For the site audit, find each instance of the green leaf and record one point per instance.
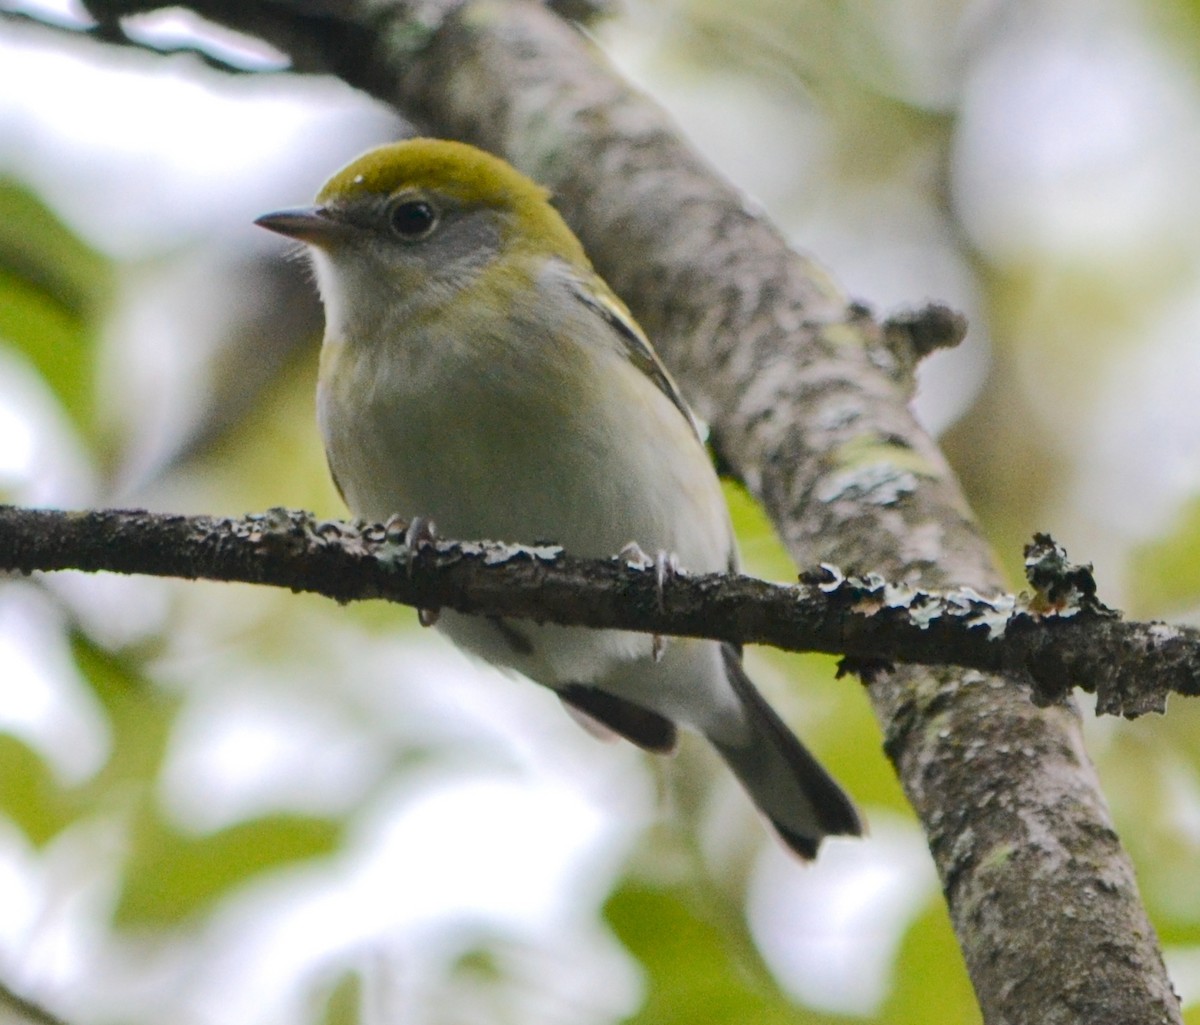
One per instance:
(763, 554)
(53, 291)
(140, 714)
(30, 795)
(344, 1003)
(1164, 575)
(172, 875)
(38, 248)
(694, 974)
(930, 980)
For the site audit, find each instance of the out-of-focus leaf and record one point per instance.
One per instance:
(29, 794)
(275, 320)
(38, 248)
(480, 962)
(56, 343)
(692, 976)
(344, 1003)
(52, 292)
(930, 983)
(171, 876)
(1172, 930)
(277, 456)
(139, 714)
(763, 554)
(1151, 777)
(1164, 574)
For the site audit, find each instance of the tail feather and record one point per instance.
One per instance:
(607, 712)
(802, 801)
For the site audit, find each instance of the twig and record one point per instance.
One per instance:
(27, 1009)
(1060, 638)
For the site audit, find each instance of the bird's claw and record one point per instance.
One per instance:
(658, 647)
(420, 534)
(633, 556)
(666, 567)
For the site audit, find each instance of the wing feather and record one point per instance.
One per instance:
(635, 344)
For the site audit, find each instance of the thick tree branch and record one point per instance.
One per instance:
(808, 404)
(112, 33)
(1060, 637)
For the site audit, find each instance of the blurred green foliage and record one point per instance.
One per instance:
(344, 1006)
(1165, 572)
(172, 875)
(693, 977)
(30, 796)
(54, 291)
(930, 979)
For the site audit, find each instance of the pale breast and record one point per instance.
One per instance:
(518, 443)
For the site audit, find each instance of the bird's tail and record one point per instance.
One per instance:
(788, 785)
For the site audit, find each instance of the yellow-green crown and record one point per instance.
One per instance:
(468, 176)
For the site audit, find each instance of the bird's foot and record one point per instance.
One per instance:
(419, 534)
(666, 567)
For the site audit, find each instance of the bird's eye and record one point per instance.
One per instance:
(414, 219)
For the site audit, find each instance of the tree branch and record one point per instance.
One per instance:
(112, 33)
(1060, 637)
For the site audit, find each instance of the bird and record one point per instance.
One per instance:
(477, 373)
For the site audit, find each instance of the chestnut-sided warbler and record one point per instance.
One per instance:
(476, 371)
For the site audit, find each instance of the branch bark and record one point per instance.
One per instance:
(1060, 636)
(807, 400)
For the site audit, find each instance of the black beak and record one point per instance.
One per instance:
(312, 224)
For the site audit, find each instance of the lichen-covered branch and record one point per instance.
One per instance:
(1061, 636)
(807, 401)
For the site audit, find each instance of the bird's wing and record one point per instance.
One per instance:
(600, 301)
